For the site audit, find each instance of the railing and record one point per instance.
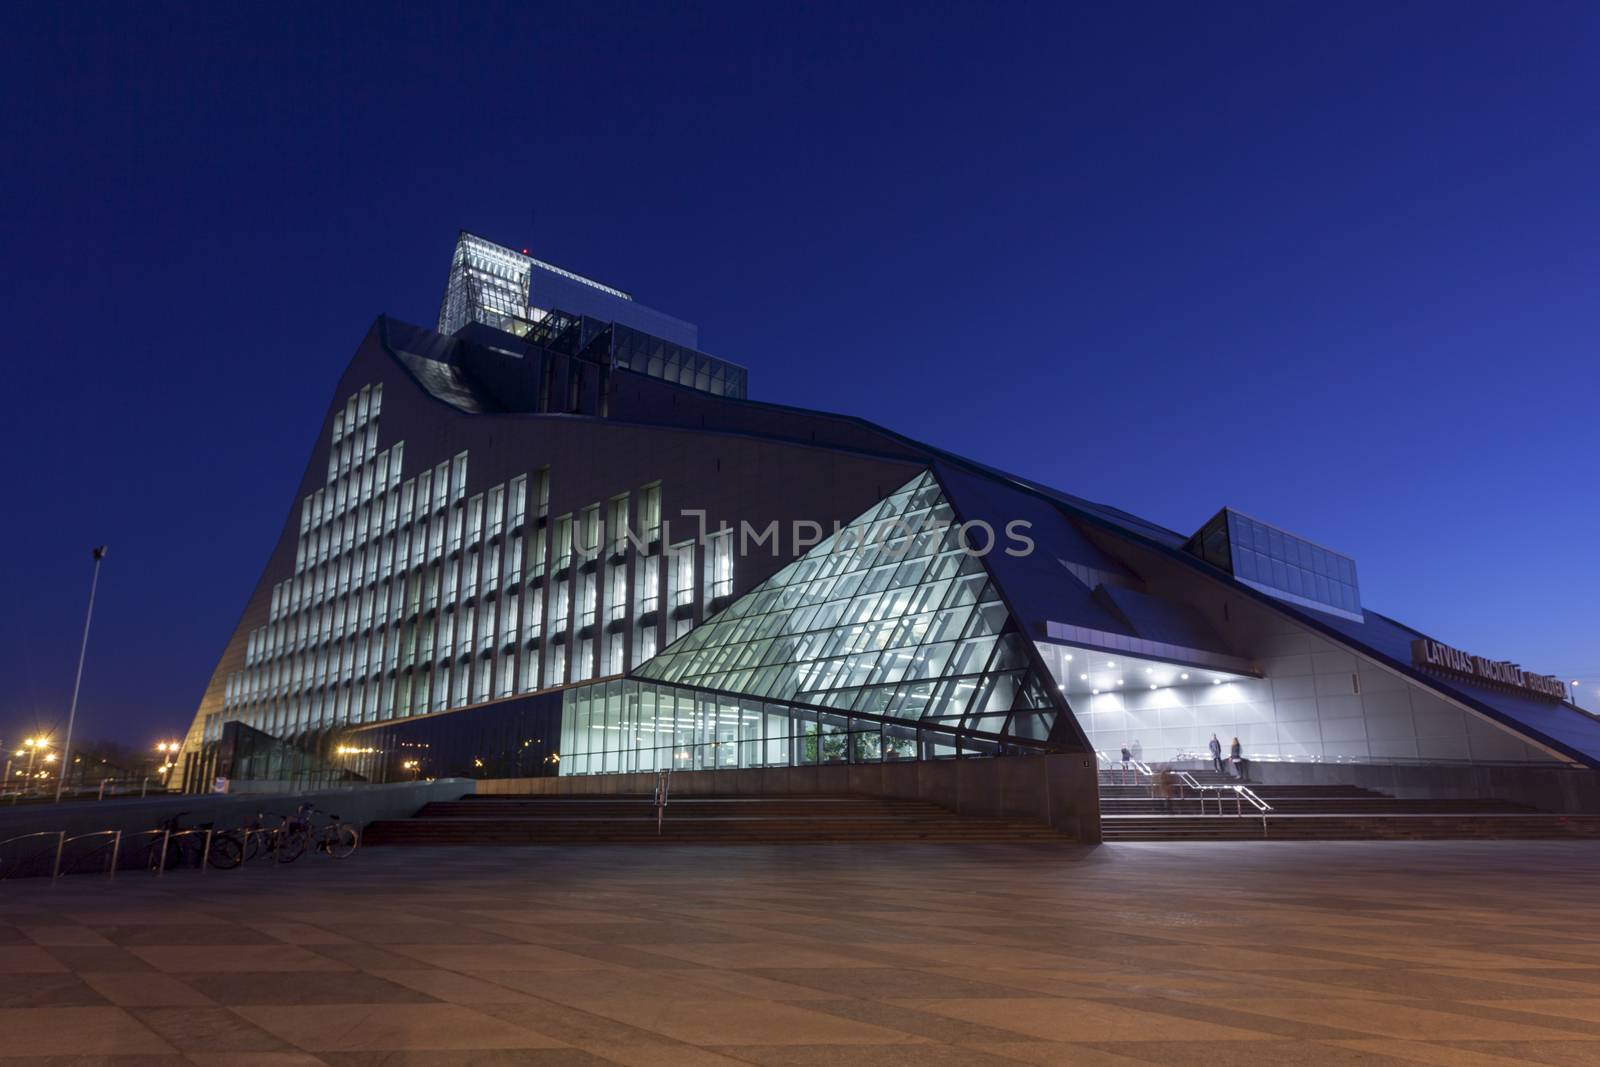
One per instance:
(1138, 767)
(662, 794)
(159, 853)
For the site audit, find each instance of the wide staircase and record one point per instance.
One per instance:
(1130, 810)
(631, 819)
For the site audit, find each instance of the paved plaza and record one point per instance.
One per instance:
(1256, 953)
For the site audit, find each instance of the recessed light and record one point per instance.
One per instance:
(1111, 663)
(1186, 676)
(1152, 685)
(1149, 670)
(1216, 681)
(1096, 692)
(1069, 659)
(1083, 677)
(1119, 681)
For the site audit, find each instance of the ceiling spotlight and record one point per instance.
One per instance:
(1152, 685)
(1147, 670)
(1186, 676)
(1216, 681)
(1069, 659)
(1096, 692)
(1083, 677)
(1119, 681)
(1111, 663)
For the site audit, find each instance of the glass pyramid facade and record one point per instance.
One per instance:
(890, 617)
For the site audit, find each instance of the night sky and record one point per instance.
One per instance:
(1335, 265)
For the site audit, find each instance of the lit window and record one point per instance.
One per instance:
(563, 542)
(680, 580)
(650, 514)
(719, 565)
(541, 488)
(586, 599)
(618, 525)
(616, 593)
(508, 627)
(649, 583)
(519, 501)
(496, 518)
(475, 519)
(514, 563)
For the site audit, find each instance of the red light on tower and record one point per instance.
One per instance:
(524, 251)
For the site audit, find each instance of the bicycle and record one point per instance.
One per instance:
(179, 846)
(337, 839)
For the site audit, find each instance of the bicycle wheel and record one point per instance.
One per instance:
(226, 852)
(341, 841)
(289, 845)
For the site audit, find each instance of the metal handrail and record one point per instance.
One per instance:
(663, 792)
(61, 843)
(116, 850)
(1250, 795)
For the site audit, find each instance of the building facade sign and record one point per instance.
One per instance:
(1426, 652)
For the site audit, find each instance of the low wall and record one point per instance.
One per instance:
(1569, 790)
(1061, 791)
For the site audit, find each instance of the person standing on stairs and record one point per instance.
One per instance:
(1127, 758)
(1236, 757)
(1216, 754)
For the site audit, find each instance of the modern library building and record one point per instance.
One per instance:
(550, 536)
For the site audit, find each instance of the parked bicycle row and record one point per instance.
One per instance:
(269, 837)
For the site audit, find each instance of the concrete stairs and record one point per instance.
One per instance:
(1131, 812)
(758, 820)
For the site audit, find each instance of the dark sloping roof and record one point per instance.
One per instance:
(1038, 586)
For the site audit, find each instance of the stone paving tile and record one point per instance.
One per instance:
(208, 1030)
(238, 988)
(28, 959)
(87, 1031)
(59, 990)
(377, 1027)
(1479, 954)
(143, 989)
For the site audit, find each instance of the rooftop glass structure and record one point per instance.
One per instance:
(507, 289)
(1279, 563)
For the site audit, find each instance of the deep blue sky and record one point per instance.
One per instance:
(1334, 265)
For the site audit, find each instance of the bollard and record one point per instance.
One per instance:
(144, 787)
(161, 865)
(102, 795)
(116, 849)
(61, 845)
(205, 853)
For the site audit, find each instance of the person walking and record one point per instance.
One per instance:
(1236, 756)
(1127, 758)
(1216, 754)
(1166, 788)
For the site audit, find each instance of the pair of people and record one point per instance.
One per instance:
(1235, 756)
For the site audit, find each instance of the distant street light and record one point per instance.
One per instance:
(83, 648)
(34, 745)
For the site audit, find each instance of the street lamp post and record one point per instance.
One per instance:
(83, 648)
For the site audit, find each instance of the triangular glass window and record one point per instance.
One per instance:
(890, 616)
